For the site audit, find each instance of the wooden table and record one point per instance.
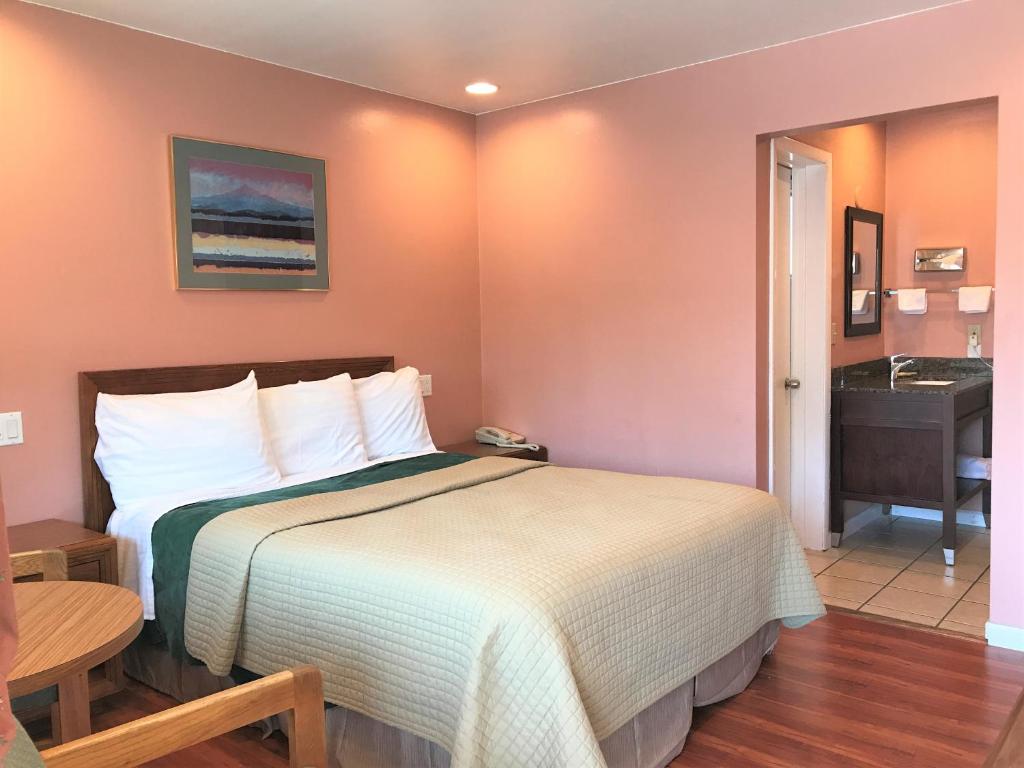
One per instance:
(64, 629)
(92, 556)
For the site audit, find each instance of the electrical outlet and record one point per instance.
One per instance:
(426, 385)
(974, 341)
(11, 431)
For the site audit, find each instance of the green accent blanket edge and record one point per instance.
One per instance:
(174, 535)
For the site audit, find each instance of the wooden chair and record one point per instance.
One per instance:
(51, 564)
(298, 690)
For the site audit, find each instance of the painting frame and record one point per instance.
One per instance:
(217, 271)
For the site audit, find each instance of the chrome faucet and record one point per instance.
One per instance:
(896, 368)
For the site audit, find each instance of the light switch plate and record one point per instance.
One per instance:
(11, 431)
(426, 385)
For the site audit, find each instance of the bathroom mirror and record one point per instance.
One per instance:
(862, 288)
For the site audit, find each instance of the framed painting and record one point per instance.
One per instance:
(248, 219)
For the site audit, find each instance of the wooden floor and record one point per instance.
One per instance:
(853, 691)
(845, 691)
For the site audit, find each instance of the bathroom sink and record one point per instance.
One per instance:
(930, 383)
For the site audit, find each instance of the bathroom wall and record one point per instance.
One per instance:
(940, 190)
(858, 179)
(933, 175)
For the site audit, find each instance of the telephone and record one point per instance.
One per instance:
(503, 438)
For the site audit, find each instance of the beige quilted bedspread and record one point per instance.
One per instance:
(515, 613)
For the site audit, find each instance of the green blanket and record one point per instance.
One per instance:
(175, 533)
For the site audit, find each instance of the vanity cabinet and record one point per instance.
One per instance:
(898, 445)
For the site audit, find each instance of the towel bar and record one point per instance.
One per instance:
(890, 292)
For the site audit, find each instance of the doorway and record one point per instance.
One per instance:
(926, 176)
(799, 335)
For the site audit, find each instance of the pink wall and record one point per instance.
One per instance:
(618, 271)
(618, 247)
(858, 179)
(86, 245)
(940, 190)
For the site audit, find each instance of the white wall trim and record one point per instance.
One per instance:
(963, 516)
(862, 518)
(1004, 636)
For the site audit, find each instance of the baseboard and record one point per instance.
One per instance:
(861, 519)
(1003, 636)
(963, 516)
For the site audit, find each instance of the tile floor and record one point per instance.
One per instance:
(894, 567)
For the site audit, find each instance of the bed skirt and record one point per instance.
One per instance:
(650, 740)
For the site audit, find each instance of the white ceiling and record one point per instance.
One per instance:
(532, 49)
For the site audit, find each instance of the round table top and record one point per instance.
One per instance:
(66, 627)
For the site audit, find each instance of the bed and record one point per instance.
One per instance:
(464, 612)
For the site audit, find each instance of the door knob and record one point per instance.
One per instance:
(792, 384)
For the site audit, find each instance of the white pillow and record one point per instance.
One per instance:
(313, 425)
(191, 442)
(393, 417)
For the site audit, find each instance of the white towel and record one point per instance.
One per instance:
(974, 299)
(859, 302)
(973, 467)
(912, 301)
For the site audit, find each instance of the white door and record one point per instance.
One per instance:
(800, 373)
(782, 280)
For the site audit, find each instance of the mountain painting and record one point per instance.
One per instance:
(251, 219)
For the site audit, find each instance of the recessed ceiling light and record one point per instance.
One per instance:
(481, 88)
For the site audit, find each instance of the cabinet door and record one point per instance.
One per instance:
(885, 461)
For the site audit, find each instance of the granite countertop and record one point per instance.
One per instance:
(964, 374)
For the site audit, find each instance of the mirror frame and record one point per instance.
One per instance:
(867, 217)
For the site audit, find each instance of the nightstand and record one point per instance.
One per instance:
(473, 448)
(92, 556)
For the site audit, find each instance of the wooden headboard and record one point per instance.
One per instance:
(96, 500)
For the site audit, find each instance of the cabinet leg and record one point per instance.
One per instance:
(986, 451)
(837, 522)
(949, 436)
(949, 533)
(887, 509)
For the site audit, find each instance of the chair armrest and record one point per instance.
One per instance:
(148, 738)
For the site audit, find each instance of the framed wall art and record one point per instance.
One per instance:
(248, 219)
